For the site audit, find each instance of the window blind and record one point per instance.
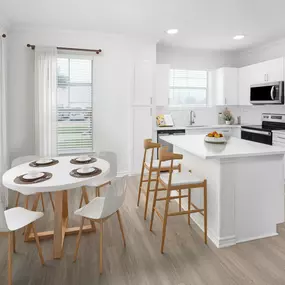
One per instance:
(188, 87)
(74, 105)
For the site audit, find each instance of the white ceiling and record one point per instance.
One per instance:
(207, 24)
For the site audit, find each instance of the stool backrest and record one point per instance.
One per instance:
(150, 145)
(23, 159)
(115, 196)
(165, 155)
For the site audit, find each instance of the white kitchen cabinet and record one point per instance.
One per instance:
(141, 129)
(162, 84)
(226, 86)
(279, 140)
(244, 81)
(268, 71)
(143, 83)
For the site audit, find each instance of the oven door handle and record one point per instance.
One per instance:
(257, 132)
(272, 93)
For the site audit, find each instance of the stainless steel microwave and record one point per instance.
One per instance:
(267, 93)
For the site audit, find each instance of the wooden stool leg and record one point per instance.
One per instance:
(98, 192)
(121, 227)
(17, 199)
(147, 193)
(10, 253)
(38, 245)
(189, 205)
(51, 200)
(154, 202)
(141, 182)
(205, 213)
(179, 191)
(165, 221)
(78, 240)
(101, 246)
(42, 199)
(86, 200)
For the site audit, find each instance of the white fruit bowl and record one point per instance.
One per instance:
(215, 140)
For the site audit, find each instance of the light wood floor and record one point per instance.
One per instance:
(187, 261)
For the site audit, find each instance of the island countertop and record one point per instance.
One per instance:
(234, 148)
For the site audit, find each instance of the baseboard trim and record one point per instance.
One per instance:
(258, 237)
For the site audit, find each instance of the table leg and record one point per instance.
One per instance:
(34, 208)
(60, 220)
(86, 200)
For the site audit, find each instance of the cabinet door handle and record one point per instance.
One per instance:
(280, 138)
(264, 77)
(150, 112)
(150, 100)
(225, 101)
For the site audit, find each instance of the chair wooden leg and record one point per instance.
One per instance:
(140, 185)
(78, 240)
(42, 199)
(81, 201)
(165, 221)
(27, 202)
(189, 205)
(51, 200)
(205, 213)
(121, 227)
(98, 192)
(179, 191)
(10, 253)
(101, 246)
(14, 241)
(147, 194)
(38, 245)
(17, 199)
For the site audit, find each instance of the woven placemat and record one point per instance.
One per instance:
(74, 173)
(21, 180)
(35, 164)
(74, 161)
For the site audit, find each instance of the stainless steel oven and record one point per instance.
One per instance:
(267, 93)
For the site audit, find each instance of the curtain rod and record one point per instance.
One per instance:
(74, 49)
(4, 36)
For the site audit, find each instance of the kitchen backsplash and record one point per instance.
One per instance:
(209, 115)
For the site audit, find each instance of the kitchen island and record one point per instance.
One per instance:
(245, 186)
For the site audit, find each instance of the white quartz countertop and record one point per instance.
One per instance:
(196, 127)
(234, 148)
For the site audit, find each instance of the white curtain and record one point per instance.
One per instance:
(45, 101)
(3, 120)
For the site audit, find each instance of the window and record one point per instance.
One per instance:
(188, 87)
(74, 105)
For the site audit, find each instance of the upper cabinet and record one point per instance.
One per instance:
(244, 82)
(225, 86)
(161, 84)
(143, 84)
(267, 71)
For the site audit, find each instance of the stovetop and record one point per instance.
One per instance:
(267, 128)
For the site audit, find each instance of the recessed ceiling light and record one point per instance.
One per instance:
(238, 37)
(172, 31)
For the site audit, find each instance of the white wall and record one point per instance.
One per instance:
(113, 86)
(258, 54)
(194, 59)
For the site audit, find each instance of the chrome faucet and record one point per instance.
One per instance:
(192, 117)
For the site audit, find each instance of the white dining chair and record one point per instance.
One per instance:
(101, 209)
(111, 157)
(10, 221)
(24, 159)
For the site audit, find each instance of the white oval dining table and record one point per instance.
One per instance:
(59, 183)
